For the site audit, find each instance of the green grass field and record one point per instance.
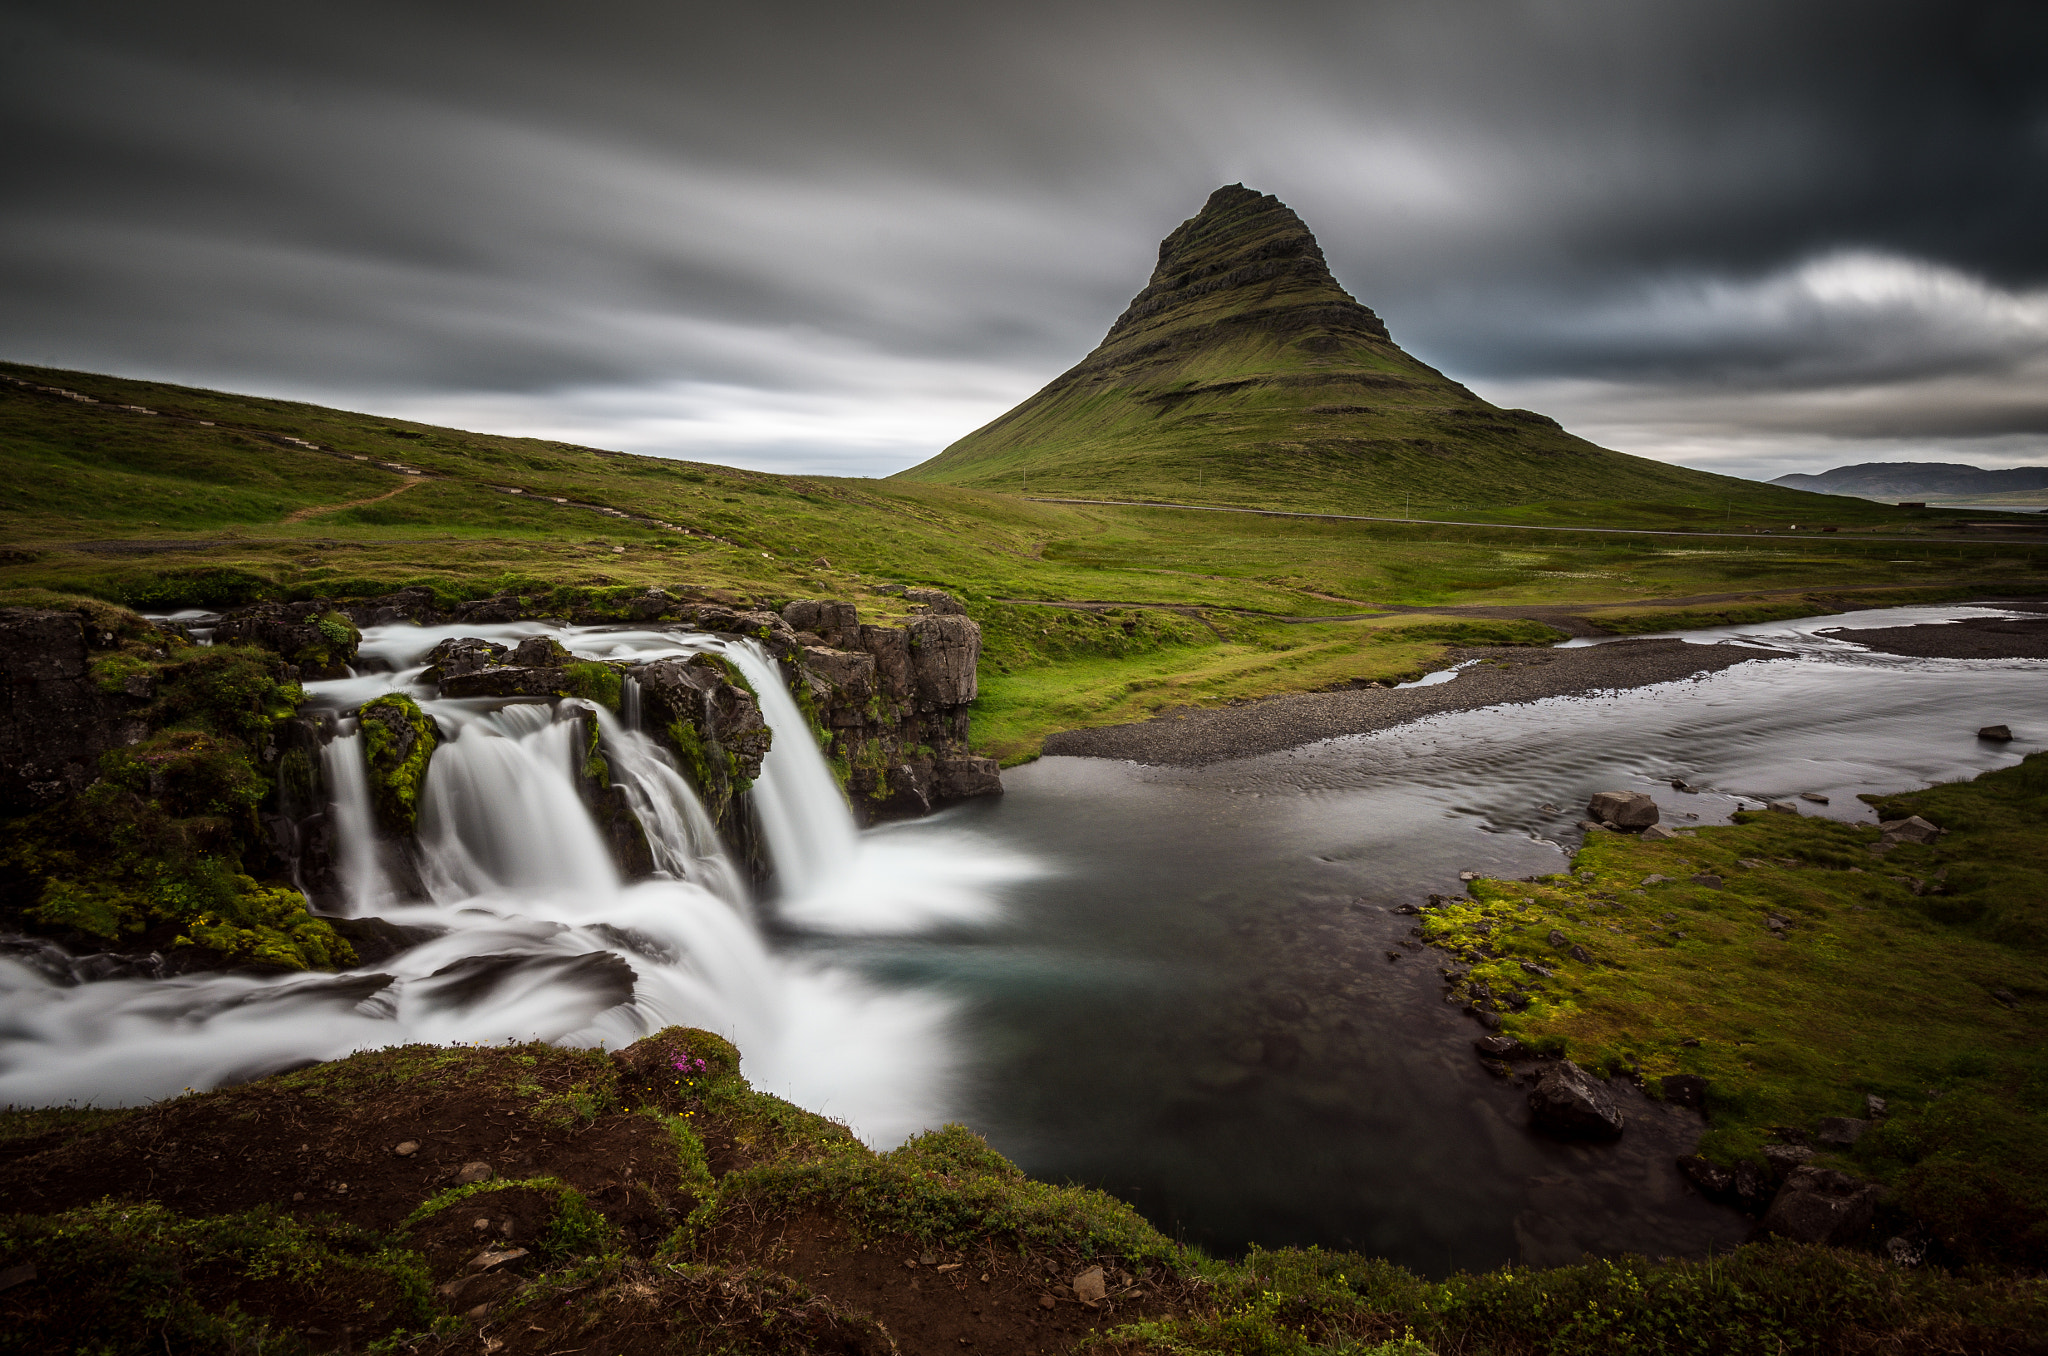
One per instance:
(209, 501)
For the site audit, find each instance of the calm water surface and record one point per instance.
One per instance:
(1193, 1005)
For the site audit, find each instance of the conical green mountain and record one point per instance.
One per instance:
(1244, 373)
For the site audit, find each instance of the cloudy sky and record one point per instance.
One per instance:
(1754, 237)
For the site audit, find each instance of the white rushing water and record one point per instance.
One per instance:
(533, 935)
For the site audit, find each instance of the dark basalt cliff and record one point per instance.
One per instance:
(163, 804)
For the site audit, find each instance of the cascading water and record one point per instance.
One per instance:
(531, 932)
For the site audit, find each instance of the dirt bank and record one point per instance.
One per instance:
(1190, 738)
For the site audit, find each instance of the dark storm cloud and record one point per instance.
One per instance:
(1744, 235)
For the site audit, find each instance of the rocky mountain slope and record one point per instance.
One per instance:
(1244, 373)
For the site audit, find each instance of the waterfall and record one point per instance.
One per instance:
(363, 883)
(531, 933)
(803, 813)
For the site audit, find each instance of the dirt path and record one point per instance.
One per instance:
(317, 510)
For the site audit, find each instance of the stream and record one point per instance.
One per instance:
(1174, 983)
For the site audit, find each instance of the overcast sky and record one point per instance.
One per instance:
(1750, 237)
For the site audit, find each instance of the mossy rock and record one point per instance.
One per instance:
(398, 741)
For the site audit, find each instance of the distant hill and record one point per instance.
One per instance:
(1921, 479)
(1243, 373)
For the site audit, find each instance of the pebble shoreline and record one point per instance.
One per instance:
(1505, 674)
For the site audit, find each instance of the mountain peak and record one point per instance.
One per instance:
(1245, 261)
(1243, 373)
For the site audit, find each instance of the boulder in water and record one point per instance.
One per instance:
(1623, 809)
(1997, 734)
(1571, 1103)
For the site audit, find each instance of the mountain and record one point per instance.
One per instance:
(1244, 373)
(1904, 479)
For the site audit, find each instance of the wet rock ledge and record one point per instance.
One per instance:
(163, 806)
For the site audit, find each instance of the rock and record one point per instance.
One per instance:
(1581, 955)
(1558, 940)
(836, 623)
(1624, 809)
(488, 1260)
(1685, 1090)
(1819, 1205)
(540, 652)
(851, 674)
(461, 655)
(1468, 875)
(1539, 971)
(1657, 832)
(2006, 997)
(506, 681)
(1840, 1131)
(1569, 1102)
(1710, 880)
(469, 1174)
(1782, 1158)
(935, 602)
(1816, 797)
(944, 650)
(1874, 1106)
(1654, 880)
(1997, 733)
(1783, 807)
(407, 1149)
(312, 635)
(1776, 922)
(55, 720)
(1710, 1179)
(1089, 1287)
(1912, 829)
(968, 775)
(1500, 1047)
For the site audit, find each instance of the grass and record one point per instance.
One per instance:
(133, 1274)
(198, 504)
(1914, 976)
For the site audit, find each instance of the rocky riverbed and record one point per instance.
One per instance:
(1488, 676)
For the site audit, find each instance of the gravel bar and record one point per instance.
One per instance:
(1191, 737)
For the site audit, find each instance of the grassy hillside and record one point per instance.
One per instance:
(525, 1200)
(161, 496)
(1244, 374)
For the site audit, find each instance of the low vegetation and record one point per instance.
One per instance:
(164, 851)
(523, 1199)
(1800, 966)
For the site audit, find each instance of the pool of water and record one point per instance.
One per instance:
(1192, 1004)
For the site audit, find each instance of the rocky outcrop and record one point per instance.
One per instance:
(711, 720)
(891, 702)
(315, 636)
(1570, 1103)
(65, 699)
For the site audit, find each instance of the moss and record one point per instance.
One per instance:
(1875, 980)
(596, 682)
(138, 1277)
(398, 741)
